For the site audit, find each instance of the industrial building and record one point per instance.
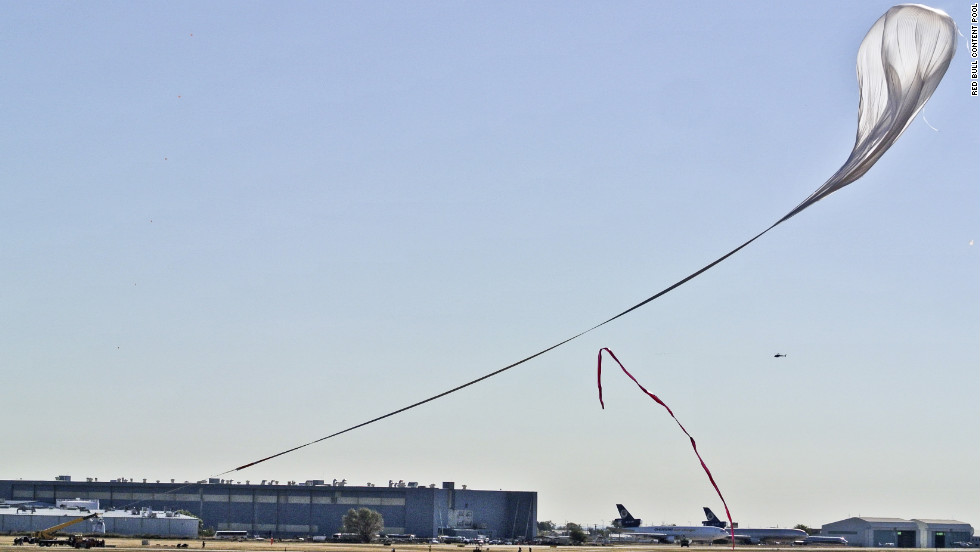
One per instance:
(314, 508)
(900, 533)
(20, 517)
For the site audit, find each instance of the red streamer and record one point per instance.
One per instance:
(663, 404)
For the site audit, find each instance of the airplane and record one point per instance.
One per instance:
(754, 536)
(668, 533)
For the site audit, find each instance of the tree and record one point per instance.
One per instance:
(363, 522)
(576, 534)
(546, 526)
(807, 530)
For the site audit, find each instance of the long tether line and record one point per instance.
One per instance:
(535, 355)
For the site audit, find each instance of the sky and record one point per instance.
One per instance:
(231, 228)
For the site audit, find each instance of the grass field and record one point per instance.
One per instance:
(6, 545)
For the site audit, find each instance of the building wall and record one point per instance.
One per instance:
(932, 533)
(12, 521)
(162, 526)
(898, 533)
(865, 533)
(299, 510)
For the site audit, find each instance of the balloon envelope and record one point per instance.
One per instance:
(899, 65)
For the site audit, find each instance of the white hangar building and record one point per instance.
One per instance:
(900, 533)
(138, 522)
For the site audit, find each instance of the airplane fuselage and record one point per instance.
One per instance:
(756, 536)
(676, 532)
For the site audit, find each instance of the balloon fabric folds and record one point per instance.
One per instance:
(899, 65)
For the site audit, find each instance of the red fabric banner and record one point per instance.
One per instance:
(663, 404)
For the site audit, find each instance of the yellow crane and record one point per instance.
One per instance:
(45, 537)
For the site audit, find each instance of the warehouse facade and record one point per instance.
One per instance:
(900, 533)
(307, 509)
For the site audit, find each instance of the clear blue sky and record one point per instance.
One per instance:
(231, 228)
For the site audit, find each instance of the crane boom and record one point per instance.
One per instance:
(45, 537)
(46, 533)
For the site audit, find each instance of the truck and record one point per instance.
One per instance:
(46, 537)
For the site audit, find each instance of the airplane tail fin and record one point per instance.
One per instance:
(625, 519)
(713, 520)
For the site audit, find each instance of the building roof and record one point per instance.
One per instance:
(75, 512)
(873, 520)
(899, 522)
(941, 521)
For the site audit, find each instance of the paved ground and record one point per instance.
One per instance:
(6, 545)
